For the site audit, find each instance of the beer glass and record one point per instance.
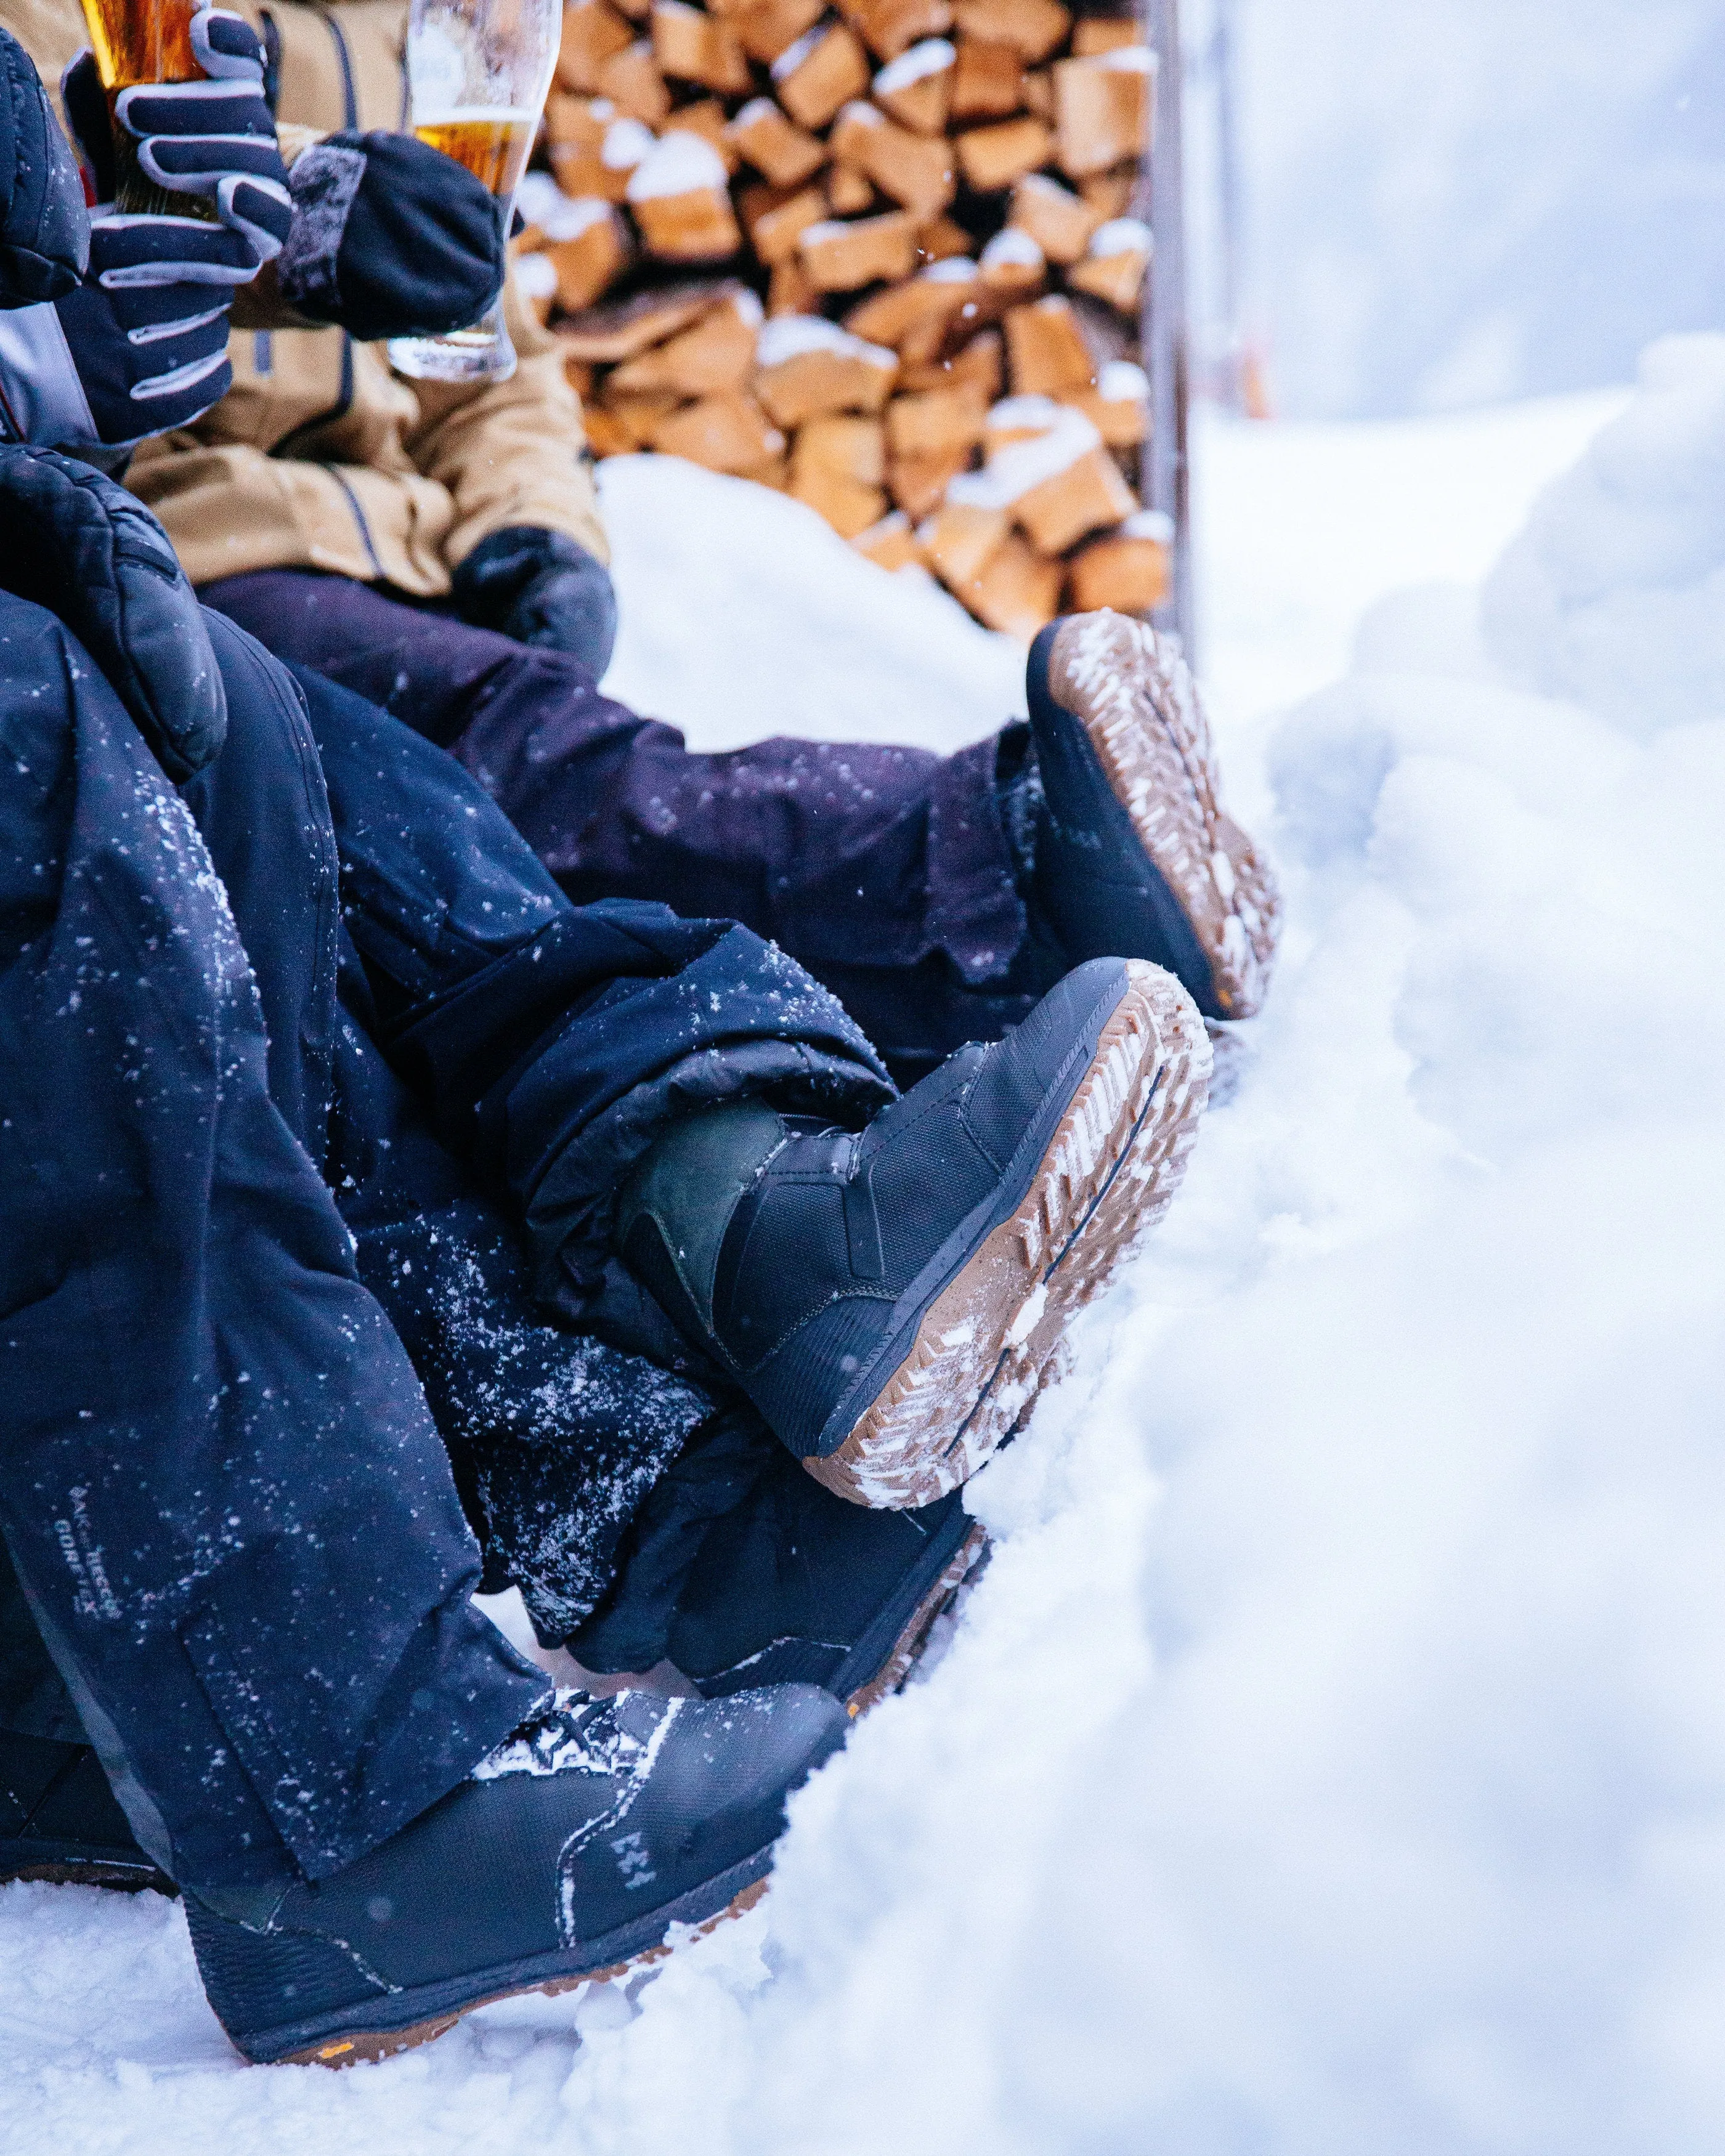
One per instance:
(144, 41)
(478, 74)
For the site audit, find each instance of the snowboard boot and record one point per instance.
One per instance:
(58, 1820)
(566, 1858)
(890, 1299)
(1133, 854)
(795, 1585)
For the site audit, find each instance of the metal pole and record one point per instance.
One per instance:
(1163, 324)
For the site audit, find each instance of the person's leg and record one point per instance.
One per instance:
(889, 873)
(202, 1399)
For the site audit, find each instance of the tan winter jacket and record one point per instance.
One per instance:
(320, 457)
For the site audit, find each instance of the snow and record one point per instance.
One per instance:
(1010, 246)
(788, 337)
(932, 56)
(679, 163)
(1121, 235)
(1331, 1758)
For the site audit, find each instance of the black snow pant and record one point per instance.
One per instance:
(888, 872)
(324, 970)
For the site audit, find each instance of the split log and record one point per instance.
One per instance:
(632, 81)
(1088, 495)
(1034, 26)
(918, 485)
(680, 200)
(987, 79)
(768, 28)
(603, 336)
(1017, 590)
(823, 71)
(729, 432)
(774, 145)
(995, 156)
(1114, 266)
(940, 240)
(977, 361)
(693, 46)
(1016, 420)
(849, 192)
(1013, 266)
(576, 138)
(775, 229)
(789, 291)
(957, 540)
(718, 353)
(607, 436)
(591, 32)
(891, 544)
(587, 247)
(640, 417)
(1129, 569)
(708, 119)
(915, 317)
(1059, 222)
(837, 466)
(915, 171)
(937, 422)
(1104, 33)
(892, 27)
(1103, 108)
(807, 366)
(916, 88)
(1110, 194)
(842, 257)
(1118, 407)
(1046, 353)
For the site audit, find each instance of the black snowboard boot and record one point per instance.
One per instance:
(888, 1300)
(58, 1820)
(800, 1585)
(566, 1856)
(1133, 854)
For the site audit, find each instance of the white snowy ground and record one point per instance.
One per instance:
(1333, 1758)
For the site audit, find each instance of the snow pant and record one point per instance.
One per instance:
(326, 967)
(886, 872)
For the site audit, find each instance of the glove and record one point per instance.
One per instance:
(147, 331)
(45, 240)
(75, 543)
(543, 589)
(390, 238)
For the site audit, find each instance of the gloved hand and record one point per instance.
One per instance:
(147, 329)
(44, 234)
(390, 239)
(541, 587)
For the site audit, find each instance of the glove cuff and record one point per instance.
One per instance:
(323, 182)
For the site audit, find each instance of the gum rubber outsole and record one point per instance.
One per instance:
(1106, 1176)
(1135, 697)
(362, 2047)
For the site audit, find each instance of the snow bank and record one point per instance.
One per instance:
(744, 615)
(1331, 1758)
(1615, 593)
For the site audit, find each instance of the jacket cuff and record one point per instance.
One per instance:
(323, 181)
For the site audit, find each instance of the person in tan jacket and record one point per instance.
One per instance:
(480, 498)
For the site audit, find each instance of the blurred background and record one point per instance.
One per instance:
(1396, 209)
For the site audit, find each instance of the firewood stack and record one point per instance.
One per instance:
(885, 259)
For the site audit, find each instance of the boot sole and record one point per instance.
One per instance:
(968, 1559)
(1135, 699)
(1106, 1178)
(358, 2046)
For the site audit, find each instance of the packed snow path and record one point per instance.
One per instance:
(1333, 1758)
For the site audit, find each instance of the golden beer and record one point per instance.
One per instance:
(494, 146)
(137, 41)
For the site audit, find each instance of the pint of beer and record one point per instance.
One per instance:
(478, 74)
(144, 41)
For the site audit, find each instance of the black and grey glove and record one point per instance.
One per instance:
(541, 587)
(390, 238)
(147, 329)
